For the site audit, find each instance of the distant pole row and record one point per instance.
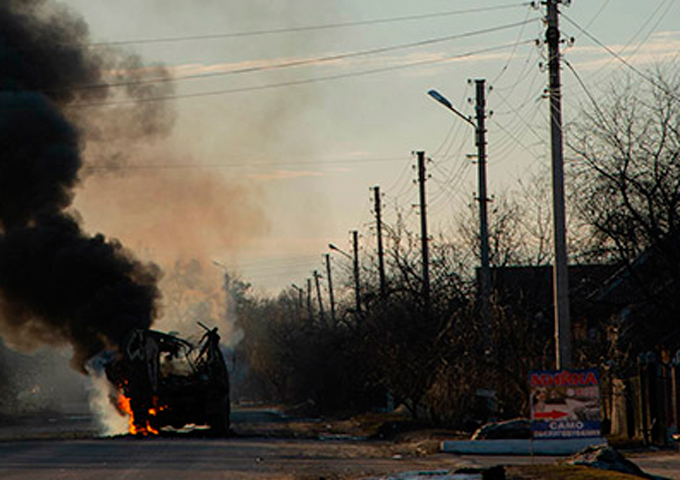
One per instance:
(560, 267)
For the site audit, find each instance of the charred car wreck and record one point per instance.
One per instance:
(166, 381)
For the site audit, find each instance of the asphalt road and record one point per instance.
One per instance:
(48, 449)
(198, 457)
(165, 459)
(177, 458)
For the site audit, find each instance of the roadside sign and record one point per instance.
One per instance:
(564, 404)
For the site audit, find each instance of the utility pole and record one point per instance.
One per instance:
(480, 130)
(357, 286)
(480, 140)
(330, 287)
(423, 231)
(309, 301)
(318, 296)
(378, 226)
(355, 261)
(560, 268)
(300, 293)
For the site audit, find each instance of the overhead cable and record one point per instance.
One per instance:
(301, 62)
(619, 57)
(307, 28)
(291, 83)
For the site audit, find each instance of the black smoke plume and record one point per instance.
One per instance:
(58, 284)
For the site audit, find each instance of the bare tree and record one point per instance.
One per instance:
(625, 172)
(626, 166)
(519, 225)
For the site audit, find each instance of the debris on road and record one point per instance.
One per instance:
(493, 473)
(607, 458)
(516, 428)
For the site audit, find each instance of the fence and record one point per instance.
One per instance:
(645, 406)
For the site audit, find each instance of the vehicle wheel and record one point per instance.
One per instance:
(218, 419)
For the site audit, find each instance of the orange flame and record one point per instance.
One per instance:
(124, 406)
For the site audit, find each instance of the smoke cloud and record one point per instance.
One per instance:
(58, 284)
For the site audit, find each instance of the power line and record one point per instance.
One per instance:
(329, 26)
(455, 129)
(597, 14)
(511, 57)
(618, 57)
(451, 184)
(522, 120)
(294, 82)
(585, 89)
(283, 268)
(297, 259)
(452, 175)
(181, 166)
(516, 140)
(301, 62)
(520, 79)
(639, 31)
(400, 179)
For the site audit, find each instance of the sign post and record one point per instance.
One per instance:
(565, 404)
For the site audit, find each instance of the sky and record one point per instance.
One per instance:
(275, 145)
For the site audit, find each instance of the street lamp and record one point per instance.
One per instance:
(300, 293)
(480, 134)
(355, 259)
(445, 101)
(338, 249)
(227, 275)
(327, 257)
(220, 265)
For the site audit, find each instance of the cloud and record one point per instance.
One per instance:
(199, 70)
(661, 46)
(284, 175)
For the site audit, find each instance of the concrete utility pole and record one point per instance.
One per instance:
(480, 141)
(378, 227)
(357, 285)
(318, 296)
(309, 302)
(560, 268)
(480, 130)
(330, 287)
(422, 177)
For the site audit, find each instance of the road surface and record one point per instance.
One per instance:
(171, 458)
(60, 455)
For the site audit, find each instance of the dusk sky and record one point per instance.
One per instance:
(287, 154)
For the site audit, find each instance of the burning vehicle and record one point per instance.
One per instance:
(166, 381)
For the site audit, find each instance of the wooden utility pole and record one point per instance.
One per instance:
(560, 268)
(318, 296)
(330, 288)
(309, 302)
(422, 177)
(378, 227)
(300, 293)
(357, 285)
(480, 130)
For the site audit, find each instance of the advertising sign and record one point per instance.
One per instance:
(565, 404)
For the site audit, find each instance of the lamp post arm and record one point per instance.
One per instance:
(444, 101)
(333, 247)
